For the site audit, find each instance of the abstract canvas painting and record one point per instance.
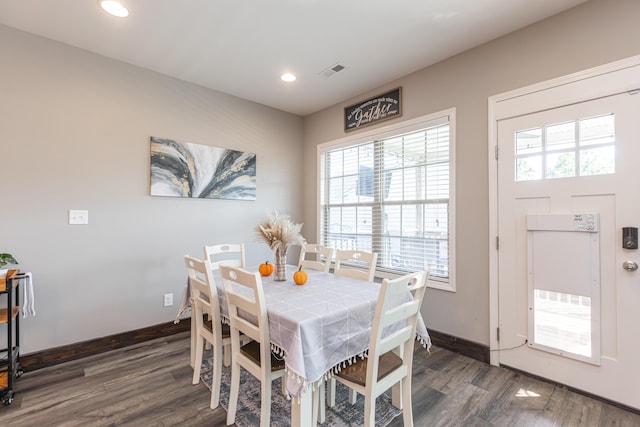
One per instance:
(182, 169)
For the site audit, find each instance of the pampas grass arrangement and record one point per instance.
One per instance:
(279, 231)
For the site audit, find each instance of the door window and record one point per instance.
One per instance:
(581, 147)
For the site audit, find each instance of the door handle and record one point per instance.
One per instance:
(630, 265)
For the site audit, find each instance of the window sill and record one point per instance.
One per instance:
(433, 283)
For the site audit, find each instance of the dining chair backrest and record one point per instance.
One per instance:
(234, 279)
(389, 312)
(357, 264)
(203, 290)
(321, 257)
(228, 254)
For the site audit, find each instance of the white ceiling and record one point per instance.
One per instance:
(241, 47)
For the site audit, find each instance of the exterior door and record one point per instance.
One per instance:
(568, 300)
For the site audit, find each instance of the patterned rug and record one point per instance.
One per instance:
(342, 414)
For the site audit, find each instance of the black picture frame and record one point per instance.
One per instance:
(373, 110)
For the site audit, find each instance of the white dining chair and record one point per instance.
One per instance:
(228, 254)
(320, 260)
(356, 264)
(390, 358)
(255, 357)
(359, 265)
(209, 328)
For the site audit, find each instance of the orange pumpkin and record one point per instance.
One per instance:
(300, 277)
(265, 269)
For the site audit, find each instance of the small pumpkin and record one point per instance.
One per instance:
(300, 277)
(265, 269)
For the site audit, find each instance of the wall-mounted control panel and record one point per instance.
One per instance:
(582, 222)
(630, 237)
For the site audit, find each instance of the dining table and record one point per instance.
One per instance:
(318, 328)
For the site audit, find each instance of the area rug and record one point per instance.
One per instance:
(343, 414)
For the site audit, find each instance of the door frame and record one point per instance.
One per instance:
(616, 77)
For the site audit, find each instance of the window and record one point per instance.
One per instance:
(391, 194)
(578, 148)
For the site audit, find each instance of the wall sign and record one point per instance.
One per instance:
(376, 109)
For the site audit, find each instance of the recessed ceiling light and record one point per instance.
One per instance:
(287, 77)
(114, 8)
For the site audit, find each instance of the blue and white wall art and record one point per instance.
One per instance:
(182, 169)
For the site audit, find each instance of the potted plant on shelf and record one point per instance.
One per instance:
(4, 260)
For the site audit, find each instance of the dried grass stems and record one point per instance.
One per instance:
(279, 231)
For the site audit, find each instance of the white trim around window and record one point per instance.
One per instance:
(440, 248)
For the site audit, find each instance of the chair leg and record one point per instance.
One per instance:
(315, 408)
(216, 376)
(353, 396)
(265, 402)
(193, 341)
(322, 404)
(396, 394)
(331, 393)
(407, 410)
(233, 393)
(283, 385)
(197, 359)
(370, 411)
(227, 355)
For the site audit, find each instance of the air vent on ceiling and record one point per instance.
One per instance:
(332, 70)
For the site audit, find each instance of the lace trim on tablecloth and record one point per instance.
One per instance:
(425, 341)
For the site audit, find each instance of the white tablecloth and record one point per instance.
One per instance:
(320, 326)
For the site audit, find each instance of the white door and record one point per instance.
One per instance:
(568, 309)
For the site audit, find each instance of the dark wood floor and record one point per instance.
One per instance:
(149, 384)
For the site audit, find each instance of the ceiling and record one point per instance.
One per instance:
(241, 47)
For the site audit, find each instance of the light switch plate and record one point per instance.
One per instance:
(78, 217)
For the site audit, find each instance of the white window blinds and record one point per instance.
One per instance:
(391, 196)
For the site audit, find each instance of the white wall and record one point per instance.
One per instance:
(74, 134)
(595, 33)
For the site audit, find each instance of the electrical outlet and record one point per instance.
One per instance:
(168, 300)
(78, 217)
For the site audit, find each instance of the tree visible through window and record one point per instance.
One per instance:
(391, 196)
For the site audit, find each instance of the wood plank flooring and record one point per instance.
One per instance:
(149, 384)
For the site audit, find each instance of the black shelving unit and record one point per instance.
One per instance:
(10, 368)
